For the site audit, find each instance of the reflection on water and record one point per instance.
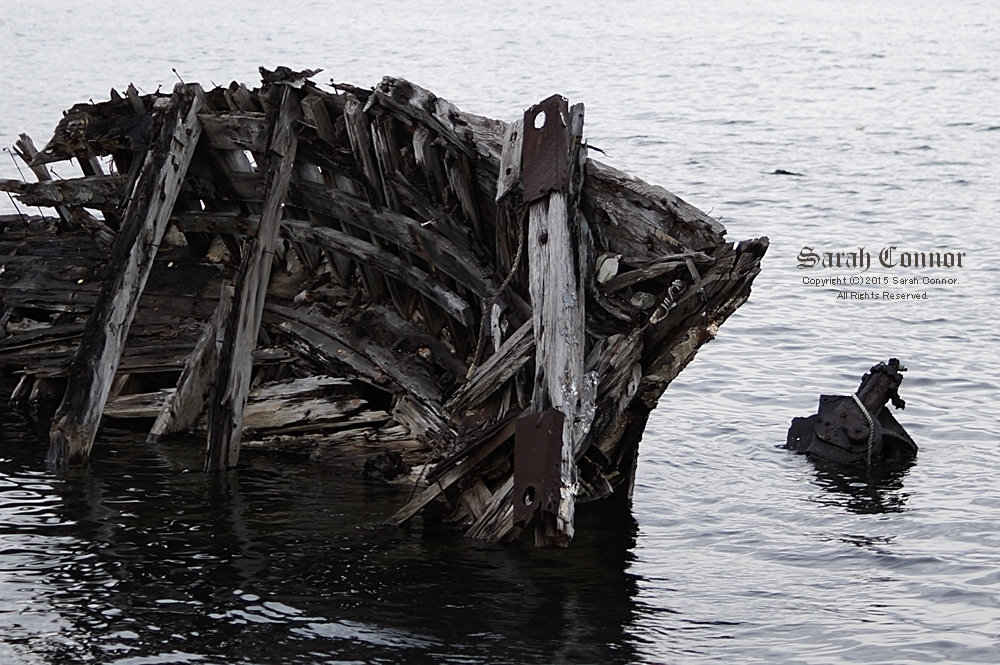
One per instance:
(860, 490)
(137, 560)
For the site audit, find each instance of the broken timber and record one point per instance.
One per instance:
(362, 276)
(148, 209)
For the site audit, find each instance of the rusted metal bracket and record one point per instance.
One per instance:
(544, 150)
(537, 458)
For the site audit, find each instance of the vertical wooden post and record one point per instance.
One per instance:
(232, 383)
(151, 201)
(551, 158)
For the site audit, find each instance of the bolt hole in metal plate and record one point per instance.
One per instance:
(537, 460)
(545, 148)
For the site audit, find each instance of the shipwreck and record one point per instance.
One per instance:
(371, 277)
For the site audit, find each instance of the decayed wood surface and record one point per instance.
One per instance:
(350, 273)
(555, 246)
(182, 407)
(75, 423)
(232, 380)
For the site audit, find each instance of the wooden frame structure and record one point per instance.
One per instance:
(361, 271)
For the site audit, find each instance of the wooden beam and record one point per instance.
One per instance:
(652, 269)
(235, 223)
(510, 159)
(232, 382)
(452, 476)
(557, 298)
(97, 191)
(454, 259)
(235, 131)
(388, 263)
(26, 150)
(182, 408)
(76, 421)
(359, 351)
(512, 355)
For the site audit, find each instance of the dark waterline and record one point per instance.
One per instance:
(144, 556)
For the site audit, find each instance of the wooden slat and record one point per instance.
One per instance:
(98, 191)
(180, 411)
(454, 260)
(510, 159)
(388, 263)
(26, 150)
(497, 516)
(452, 476)
(644, 221)
(235, 223)
(651, 270)
(235, 131)
(360, 352)
(75, 423)
(232, 382)
(512, 355)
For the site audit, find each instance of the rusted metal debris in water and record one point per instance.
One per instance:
(356, 273)
(857, 429)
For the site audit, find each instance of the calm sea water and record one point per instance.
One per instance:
(735, 550)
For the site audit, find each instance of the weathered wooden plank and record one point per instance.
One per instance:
(386, 156)
(460, 179)
(422, 420)
(557, 297)
(442, 252)
(236, 223)
(235, 131)
(653, 269)
(317, 114)
(497, 518)
(99, 191)
(510, 159)
(228, 399)
(26, 150)
(180, 411)
(76, 421)
(426, 156)
(509, 221)
(471, 134)
(359, 134)
(388, 160)
(39, 337)
(441, 354)
(388, 263)
(475, 497)
(309, 386)
(301, 405)
(460, 470)
(306, 414)
(644, 221)
(371, 360)
(89, 129)
(513, 354)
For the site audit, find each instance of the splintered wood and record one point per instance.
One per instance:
(355, 274)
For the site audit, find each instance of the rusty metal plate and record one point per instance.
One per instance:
(537, 458)
(545, 148)
(840, 422)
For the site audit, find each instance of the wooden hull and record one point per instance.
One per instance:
(358, 272)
